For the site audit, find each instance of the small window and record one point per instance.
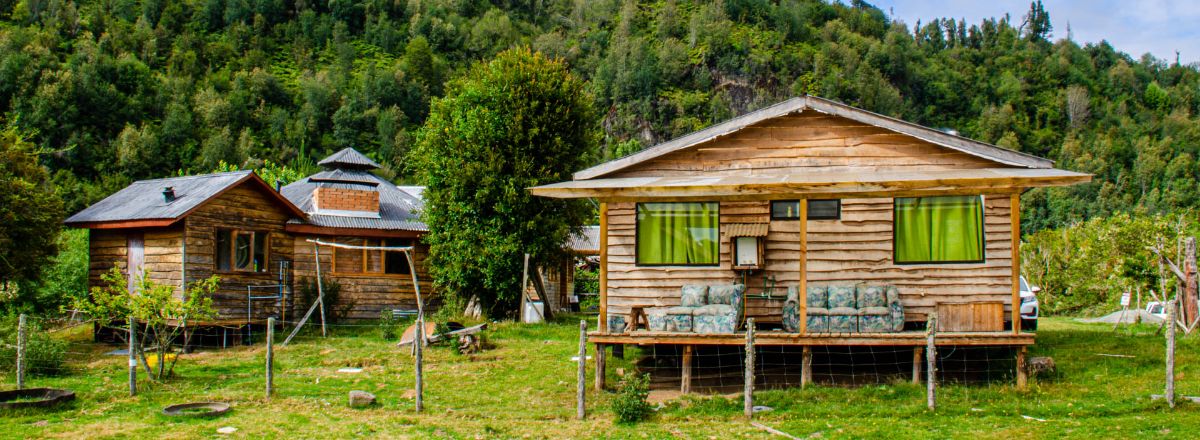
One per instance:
(818, 209)
(243, 251)
(947, 229)
(677, 234)
(395, 262)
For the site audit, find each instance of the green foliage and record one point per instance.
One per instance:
(64, 280)
(30, 218)
(44, 353)
(518, 121)
(337, 309)
(1083, 268)
(630, 405)
(388, 324)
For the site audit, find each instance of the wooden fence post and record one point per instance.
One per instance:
(1170, 390)
(22, 337)
(581, 386)
(270, 357)
(132, 358)
(931, 362)
(418, 347)
(748, 397)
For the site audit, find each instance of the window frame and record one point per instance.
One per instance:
(365, 268)
(982, 235)
(836, 216)
(232, 251)
(637, 237)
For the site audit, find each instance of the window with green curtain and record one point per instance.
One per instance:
(944, 229)
(678, 233)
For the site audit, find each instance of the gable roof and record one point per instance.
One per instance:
(141, 204)
(804, 103)
(348, 158)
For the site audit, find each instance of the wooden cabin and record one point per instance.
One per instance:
(255, 238)
(183, 229)
(810, 192)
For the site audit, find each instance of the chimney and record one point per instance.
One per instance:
(169, 194)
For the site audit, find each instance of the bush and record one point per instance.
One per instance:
(388, 323)
(337, 308)
(45, 354)
(630, 405)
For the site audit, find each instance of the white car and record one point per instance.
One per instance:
(1156, 308)
(1029, 305)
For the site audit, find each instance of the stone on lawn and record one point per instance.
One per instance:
(361, 399)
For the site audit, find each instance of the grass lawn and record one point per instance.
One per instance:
(525, 385)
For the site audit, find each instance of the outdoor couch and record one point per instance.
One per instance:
(701, 309)
(846, 309)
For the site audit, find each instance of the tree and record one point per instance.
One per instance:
(518, 121)
(30, 216)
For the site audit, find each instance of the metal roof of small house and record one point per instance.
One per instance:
(142, 203)
(348, 158)
(587, 242)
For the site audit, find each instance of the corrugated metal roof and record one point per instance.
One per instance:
(345, 176)
(398, 209)
(143, 200)
(745, 229)
(348, 158)
(588, 242)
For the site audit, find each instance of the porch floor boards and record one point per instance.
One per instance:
(781, 338)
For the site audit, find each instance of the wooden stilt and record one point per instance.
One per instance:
(581, 388)
(1022, 372)
(806, 367)
(748, 392)
(600, 361)
(916, 372)
(685, 385)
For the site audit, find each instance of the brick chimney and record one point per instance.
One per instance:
(345, 199)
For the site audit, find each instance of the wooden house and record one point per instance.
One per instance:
(255, 238)
(810, 192)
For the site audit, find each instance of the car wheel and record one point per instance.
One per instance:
(1029, 324)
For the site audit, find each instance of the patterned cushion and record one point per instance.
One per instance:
(843, 311)
(841, 296)
(693, 295)
(817, 311)
(875, 323)
(616, 323)
(818, 296)
(896, 308)
(714, 323)
(714, 309)
(656, 318)
(871, 296)
(875, 311)
(726, 294)
(843, 324)
(818, 324)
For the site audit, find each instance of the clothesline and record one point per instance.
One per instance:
(369, 248)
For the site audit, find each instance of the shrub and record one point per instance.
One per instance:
(44, 353)
(630, 405)
(388, 323)
(336, 308)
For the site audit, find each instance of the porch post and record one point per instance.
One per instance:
(685, 373)
(603, 327)
(803, 266)
(1015, 215)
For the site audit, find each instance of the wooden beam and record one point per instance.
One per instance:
(916, 370)
(803, 324)
(685, 375)
(781, 338)
(806, 367)
(600, 367)
(1022, 372)
(1015, 215)
(603, 327)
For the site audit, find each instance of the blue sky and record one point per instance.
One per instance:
(1159, 27)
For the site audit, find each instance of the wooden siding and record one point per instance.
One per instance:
(809, 141)
(162, 260)
(246, 208)
(857, 248)
(369, 293)
(106, 248)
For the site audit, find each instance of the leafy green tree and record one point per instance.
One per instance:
(518, 121)
(31, 215)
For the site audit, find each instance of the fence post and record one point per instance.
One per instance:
(418, 346)
(748, 393)
(581, 387)
(1170, 391)
(132, 358)
(931, 362)
(21, 341)
(270, 357)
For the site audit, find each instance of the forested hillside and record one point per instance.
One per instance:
(114, 90)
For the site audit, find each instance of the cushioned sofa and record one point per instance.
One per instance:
(701, 309)
(846, 309)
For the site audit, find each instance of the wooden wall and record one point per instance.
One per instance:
(106, 248)
(855, 249)
(370, 292)
(244, 207)
(162, 262)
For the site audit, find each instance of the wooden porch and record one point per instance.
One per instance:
(781, 338)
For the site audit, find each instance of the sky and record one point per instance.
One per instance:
(1159, 27)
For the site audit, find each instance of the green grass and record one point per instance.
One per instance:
(524, 386)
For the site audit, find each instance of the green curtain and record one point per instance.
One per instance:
(939, 229)
(677, 233)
